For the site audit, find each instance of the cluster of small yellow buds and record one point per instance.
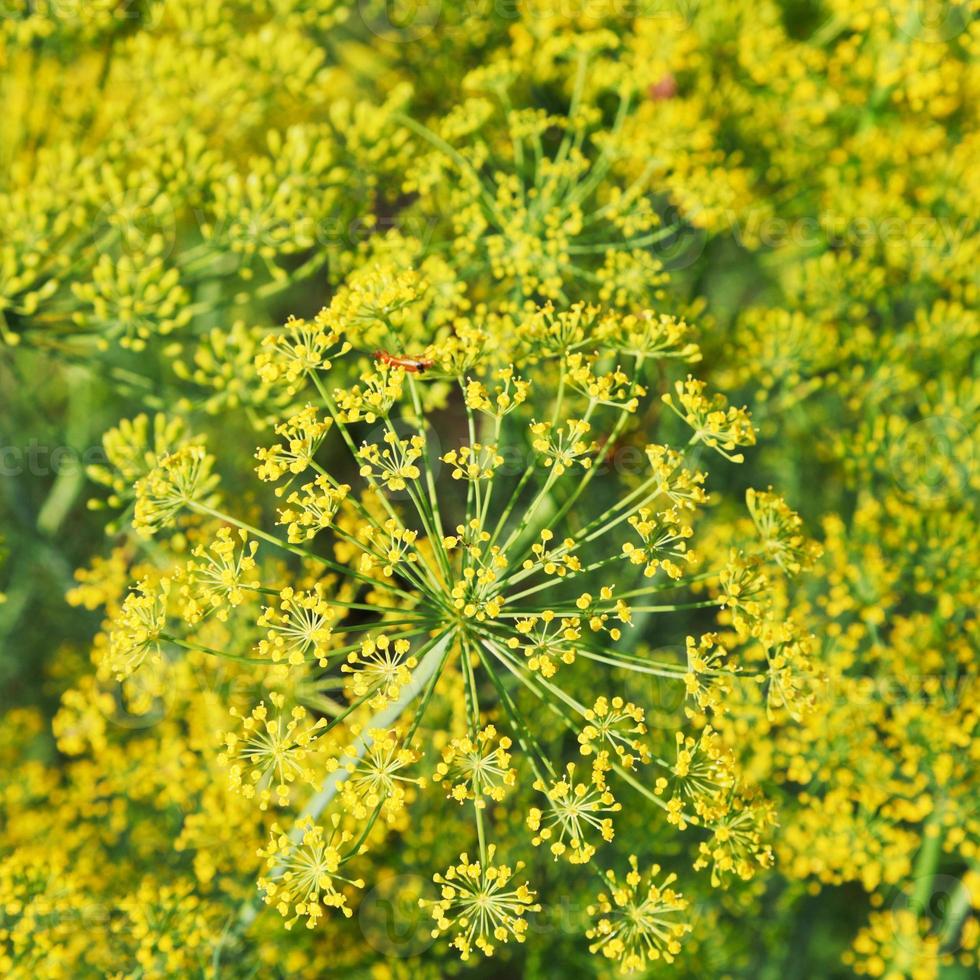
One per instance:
(701, 777)
(476, 462)
(381, 667)
(394, 464)
(473, 595)
(377, 773)
(270, 754)
(379, 390)
(312, 508)
(737, 845)
(477, 768)
(132, 300)
(563, 446)
(377, 294)
(553, 561)
(575, 814)
(299, 349)
(470, 536)
(303, 881)
(791, 681)
(547, 639)
(132, 449)
(708, 677)
(459, 353)
(613, 389)
(683, 487)
(222, 367)
(178, 480)
(478, 905)
(628, 277)
(745, 589)
(664, 536)
(302, 434)
(596, 612)
(552, 331)
(136, 633)
(637, 924)
(717, 424)
(298, 628)
(781, 530)
(508, 394)
(614, 724)
(217, 580)
(389, 547)
(651, 335)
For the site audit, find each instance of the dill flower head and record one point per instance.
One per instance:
(132, 449)
(481, 904)
(270, 753)
(484, 572)
(379, 774)
(221, 575)
(717, 424)
(477, 768)
(781, 530)
(380, 667)
(638, 920)
(702, 773)
(301, 348)
(138, 633)
(297, 627)
(304, 876)
(615, 724)
(575, 814)
(454, 568)
(737, 844)
(177, 480)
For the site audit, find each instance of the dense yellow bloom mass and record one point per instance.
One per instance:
(401, 345)
(433, 622)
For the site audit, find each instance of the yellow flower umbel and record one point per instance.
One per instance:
(137, 635)
(477, 768)
(737, 845)
(781, 530)
(379, 777)
(297, 628)
(178, 480)
(715, 423)
(480, 905)
(382, 617)
(702, 774)
(638, 922)
(304, 877)
(614, 725)
(302, 434)
(132, 449)
(299, 349)
(270, 753)
(575, 813)
(221, 576)
(380, 667)
(312, 508)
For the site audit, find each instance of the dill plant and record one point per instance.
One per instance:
(168, 190)
(467, 578)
